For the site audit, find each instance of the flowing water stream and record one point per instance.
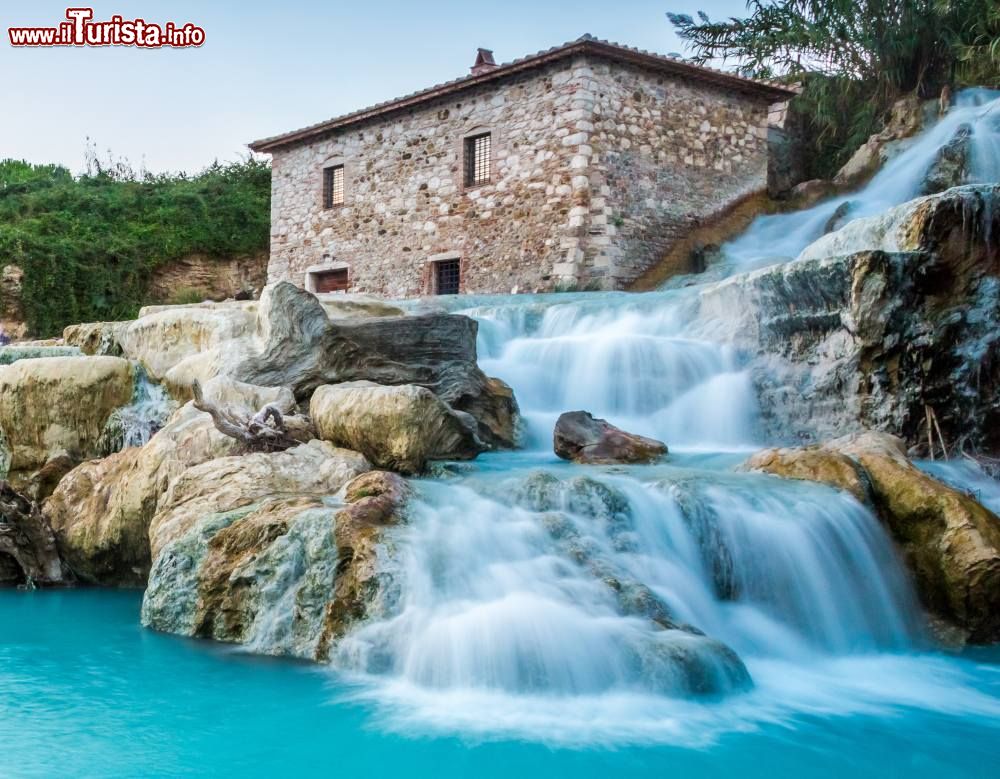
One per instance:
(695, 618)
(532, 593)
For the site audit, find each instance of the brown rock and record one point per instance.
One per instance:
(950, 542)
(44, 481)
(400, 428)
(95, 338)
(51, 404)
(376, 501)
(814, 463)
(227, 605)
(579, 437)
(28, 552)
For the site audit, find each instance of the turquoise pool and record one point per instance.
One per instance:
(86, 692)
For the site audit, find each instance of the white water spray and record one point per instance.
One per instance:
(552, 601)
(781, 237)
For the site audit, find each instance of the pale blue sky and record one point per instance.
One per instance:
(268, 67)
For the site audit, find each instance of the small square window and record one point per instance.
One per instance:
(447, 277)
(477, 160)
(333, 186)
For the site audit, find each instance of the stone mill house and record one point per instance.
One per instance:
(575, 167)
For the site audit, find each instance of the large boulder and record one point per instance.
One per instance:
(579, 437)
(59, 403)
(950, 542)
(814, 463)
(876, 324)
(396, 427)
(260, 557)
(101, 510)
(228, 483)
(289, 339)
(177, 345)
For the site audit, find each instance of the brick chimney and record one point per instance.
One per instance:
(484, 62)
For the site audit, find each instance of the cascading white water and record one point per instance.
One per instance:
(634, 365)
(781, 237)
(136, 423)
(578, 604)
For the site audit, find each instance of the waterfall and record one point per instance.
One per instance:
(636, 364)
(136, 423)
(671, 602)
(781, 237)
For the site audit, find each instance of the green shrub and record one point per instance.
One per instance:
(855, 58)
(89, 244)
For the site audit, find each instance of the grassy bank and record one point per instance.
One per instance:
(88, 244)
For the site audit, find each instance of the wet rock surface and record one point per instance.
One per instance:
(906, 119)
(949, 541)
(859, 335)
(951, 165)
(582, 438)
(54, 404)
(96, 338)
(286, 574)
(375, 501)
(29, 556)
(399, 427)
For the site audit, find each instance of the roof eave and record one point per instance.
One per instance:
(772, 92)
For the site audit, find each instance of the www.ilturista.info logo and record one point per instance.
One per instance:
(80, 30)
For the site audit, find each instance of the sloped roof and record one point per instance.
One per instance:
(586, 44)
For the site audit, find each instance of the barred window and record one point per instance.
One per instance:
(448, 277)
(333, 186)
(477, 160)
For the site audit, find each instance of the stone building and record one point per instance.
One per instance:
(574, 167)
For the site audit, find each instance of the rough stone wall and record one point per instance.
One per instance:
(405, 201)
(597, 169)
(216, 278)
(666, 156)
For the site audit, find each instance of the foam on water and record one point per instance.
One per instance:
(629, 361)
(781, 237)
(532, 596)
(507, 608)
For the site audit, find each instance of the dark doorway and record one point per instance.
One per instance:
(448, 277)
(331, 280)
